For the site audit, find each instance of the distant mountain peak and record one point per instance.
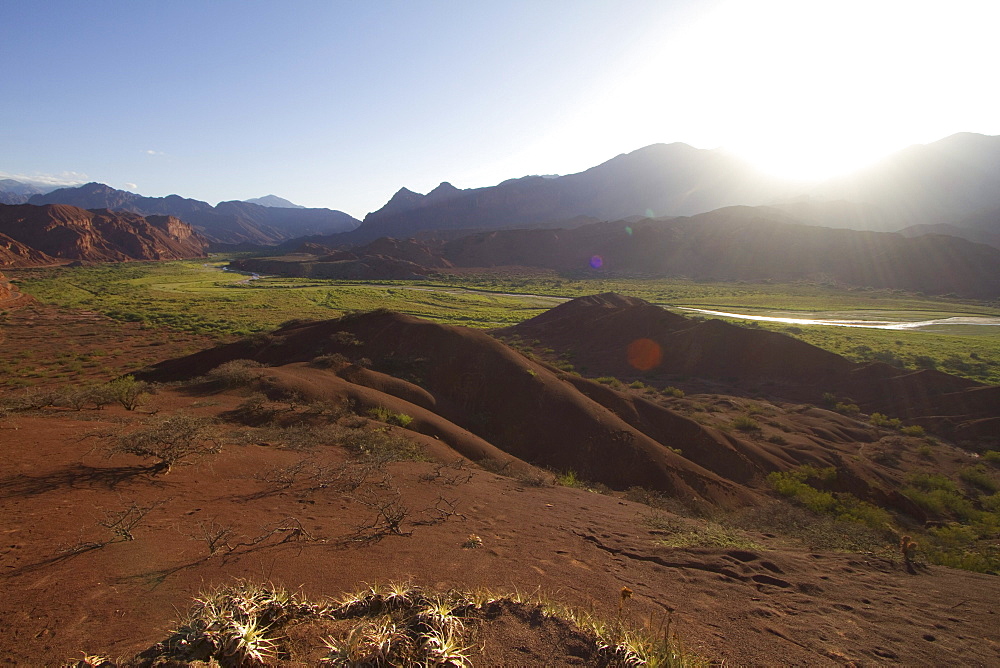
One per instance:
(444, 191)
(274, 201)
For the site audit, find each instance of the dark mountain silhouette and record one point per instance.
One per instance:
(227, 223)
(31, 235)
(662, 179)
(273, 201)
(941, 182)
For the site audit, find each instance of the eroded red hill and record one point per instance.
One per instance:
(65, 232)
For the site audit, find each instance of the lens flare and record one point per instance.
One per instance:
(644, 354)
(596, 262)
(628, 230)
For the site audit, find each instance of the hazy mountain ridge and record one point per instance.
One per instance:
(942, 182)
(33, 235)
(226, 223)
(274, 201)
(662, 179)
(13, 191)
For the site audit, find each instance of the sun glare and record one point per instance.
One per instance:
(803, 90)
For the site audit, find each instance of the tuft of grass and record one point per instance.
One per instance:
(746, 424)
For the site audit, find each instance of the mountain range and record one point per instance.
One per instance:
(232, 222)
(955, 180)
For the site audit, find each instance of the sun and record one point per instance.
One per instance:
(801, 89)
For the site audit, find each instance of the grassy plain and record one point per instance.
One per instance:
(197, 297)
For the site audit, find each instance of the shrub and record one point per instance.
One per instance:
(129, 392)
(992, 456)
(330, 361)
(379, 446)
(236, 373)
(383, 414)
(746, 424)
(610, 380)
(673, 392)
(570, 479)
(912, 430)
(343, 338)
(880, 420)
(980, 477)
(171, 440)
(847, 409)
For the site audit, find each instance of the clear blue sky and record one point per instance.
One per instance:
(339, 104)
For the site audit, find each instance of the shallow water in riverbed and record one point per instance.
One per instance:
(899, 320)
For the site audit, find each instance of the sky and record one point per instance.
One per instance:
(340, 103)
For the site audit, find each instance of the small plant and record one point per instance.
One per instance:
(343, 338)
(383, 414)
(847, 409)
(912, 430)
(129, 392)
(330, 361)
(880, 420)
(472, 542)
(908, 550)
(672, 391)
(746, 424)
(236, 373)
(611, 381)
(570, 479)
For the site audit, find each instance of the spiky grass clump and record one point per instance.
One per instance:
(248, 624)
(236, 623)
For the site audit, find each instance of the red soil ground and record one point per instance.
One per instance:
(759, 598)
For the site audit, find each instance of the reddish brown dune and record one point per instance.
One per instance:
(469, 382)
(628, 337)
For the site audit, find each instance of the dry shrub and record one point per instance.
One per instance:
(171, 440)
(236, 373)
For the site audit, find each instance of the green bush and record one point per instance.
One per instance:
(980, 477)
(880, 420)
(912, 430)
(128, 391)
(383, 414)
(746, 424)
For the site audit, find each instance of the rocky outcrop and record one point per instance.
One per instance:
(33, 235)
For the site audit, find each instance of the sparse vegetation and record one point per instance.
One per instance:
(245, 624)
